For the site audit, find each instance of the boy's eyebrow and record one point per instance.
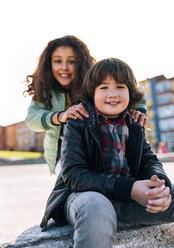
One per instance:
(104, 82)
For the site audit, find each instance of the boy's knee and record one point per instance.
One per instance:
(97, 207)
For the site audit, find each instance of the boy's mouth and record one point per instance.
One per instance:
(113, 102)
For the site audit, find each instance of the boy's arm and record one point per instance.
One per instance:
(146, 191)
(150, 164)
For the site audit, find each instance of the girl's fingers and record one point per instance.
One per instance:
(74, 115)
(80, 108)
(141, 116)
(143, 120)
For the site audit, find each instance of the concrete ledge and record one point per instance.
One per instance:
(136, 237)
(166, 157)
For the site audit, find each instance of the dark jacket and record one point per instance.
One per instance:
(83, 168)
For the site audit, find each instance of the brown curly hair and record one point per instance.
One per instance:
(119, 71)
(42, 79)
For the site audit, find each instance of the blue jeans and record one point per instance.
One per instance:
(95, 218)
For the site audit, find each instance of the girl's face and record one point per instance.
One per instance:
(64, 65)
(111, 98)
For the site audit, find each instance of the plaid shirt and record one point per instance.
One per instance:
(114, 144)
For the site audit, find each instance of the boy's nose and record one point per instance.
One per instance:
(112, 94)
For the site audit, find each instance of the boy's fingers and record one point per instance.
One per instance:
(164, 193)
(159, 205)
(155, 191)
(155, 183)
(154, 178)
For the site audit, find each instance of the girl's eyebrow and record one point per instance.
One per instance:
(59, 56)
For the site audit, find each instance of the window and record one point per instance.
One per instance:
(166, 111)
(163, 86)
(164, 98)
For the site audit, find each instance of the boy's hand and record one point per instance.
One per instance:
(143, 190)
(137, 115)
(161, 198)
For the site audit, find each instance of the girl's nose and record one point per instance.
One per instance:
(65, 66)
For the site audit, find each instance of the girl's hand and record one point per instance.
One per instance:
(74, 112)
(137, 115)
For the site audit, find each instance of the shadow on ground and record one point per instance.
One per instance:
(40, 160)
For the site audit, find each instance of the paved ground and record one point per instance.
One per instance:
(24, 190)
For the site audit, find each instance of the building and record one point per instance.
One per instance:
(2, 138)
(20, 137)
(160, 107)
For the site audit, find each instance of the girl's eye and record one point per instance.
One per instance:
(72, 62)
(57, 61)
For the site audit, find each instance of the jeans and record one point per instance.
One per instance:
(95, 218)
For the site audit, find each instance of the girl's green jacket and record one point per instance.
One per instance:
(39, 120)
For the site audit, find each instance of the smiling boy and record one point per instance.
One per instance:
(109, 172)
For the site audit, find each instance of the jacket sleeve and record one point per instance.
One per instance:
(142, 105)
(38, 118)
(76, 172)
(150, 164)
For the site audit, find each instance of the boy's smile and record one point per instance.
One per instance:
(111, 98)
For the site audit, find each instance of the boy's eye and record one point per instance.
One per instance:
(121, 86)
(103, 87)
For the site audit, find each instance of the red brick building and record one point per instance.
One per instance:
(20, 137)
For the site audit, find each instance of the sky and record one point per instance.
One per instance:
(140, 32)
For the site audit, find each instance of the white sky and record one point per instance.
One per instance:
(141, 32)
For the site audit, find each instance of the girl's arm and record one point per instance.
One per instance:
(73, 112)
(38, 118)
(139, 114)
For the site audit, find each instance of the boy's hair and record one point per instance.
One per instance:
(42, 79)
(119, 71)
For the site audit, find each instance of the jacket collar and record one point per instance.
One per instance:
(134, 140)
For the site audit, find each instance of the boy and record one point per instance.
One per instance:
(109, 172)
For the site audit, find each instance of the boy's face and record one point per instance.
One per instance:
(111, 98)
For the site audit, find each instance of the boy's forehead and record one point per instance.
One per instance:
(110, 79)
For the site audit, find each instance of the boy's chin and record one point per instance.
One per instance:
(111, 116)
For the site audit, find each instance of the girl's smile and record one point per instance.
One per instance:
(64, 65)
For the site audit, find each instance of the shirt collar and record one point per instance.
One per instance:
(101, 117)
